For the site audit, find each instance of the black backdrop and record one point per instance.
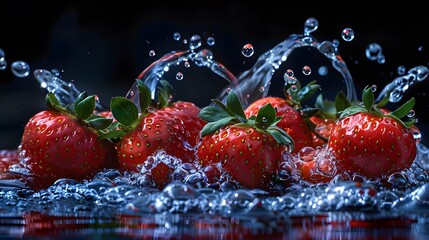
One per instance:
(102, 47)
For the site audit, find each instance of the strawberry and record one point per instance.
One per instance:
(142, 135)
(62, 142)
(371, 142)
(294, 117)
(186, 111)
(249, 149)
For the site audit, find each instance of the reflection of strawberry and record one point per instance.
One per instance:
(62, 142)
(249, 149)
(371, 143)
(140, 136)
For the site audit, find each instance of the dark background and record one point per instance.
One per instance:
(102, 47)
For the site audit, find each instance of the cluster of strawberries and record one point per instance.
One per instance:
(250, 144)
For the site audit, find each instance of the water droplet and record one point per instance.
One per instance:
(417, 135)
(247, 50)
(348, 34)
(187, 64)
(411, 114)
(262, 89)
(381, 59)
(294, 88)
(311, 25)
(179, 76)
(20, 69)
(3, 63)
(373, 51)
(306, 70)
(210, 41)
(176, 36)
(289, 73)
(401, 70)
(323, 71)
(195, 42)
(185, 41)
(152, 53)
(420, 48)
(374, 88)
(264, 119)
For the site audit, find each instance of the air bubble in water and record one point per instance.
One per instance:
(3, 63)
(179, 76)
(20, 69)
(306, 70)
(247, 50)
(373, 51)
(401, 70)
(323, 71)
(152, 53)
(195, 42)
(176, 36)
(348, 34)
(210, 41)
(311, 25)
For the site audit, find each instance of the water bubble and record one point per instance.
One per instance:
(306, 70)
(323, 71)
(176, 36)
(195, 42)
(179, 76)
(381, 59)
(3, 63)
(401, 70)
(20, 69)
(373, 51)
(247, 50)
(348, 34)
(210, 41)
(152, 53)
(311, 25)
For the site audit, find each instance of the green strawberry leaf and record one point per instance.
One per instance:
(281, 137)
(212, 127)
(350, 111)
(100, 123)
(124, 110)
(85, 107)
(309, 112)
(234, 105)
(113, 134)
(368, 98)
(145, 98)
(403, 110)
(165, 93)
(341, 102)
(79, 98)
(307, 91)
(266, 116)
(212, 114)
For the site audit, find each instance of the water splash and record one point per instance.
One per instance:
(397, 88)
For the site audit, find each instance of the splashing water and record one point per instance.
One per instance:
(196, 190)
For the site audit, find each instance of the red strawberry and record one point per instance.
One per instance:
(63, 142)
(249, 149)
(187, 111)
(323, 129)
(141, 135)
(371, 143)
(292, 121)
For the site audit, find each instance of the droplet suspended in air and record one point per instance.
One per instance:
(195, 42)
(373, 51)
(210, 41)
(411, 114)
(374, 88)
(420, 48)
(348, 34)
(187, 64)
(310, 25)
(401, 70)
(323, 71)
(179, 76)
(152, 53)
(3, 63)
(247, 50)
(289, 73)
(20, 69)
(176, 36)
(306, 70)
